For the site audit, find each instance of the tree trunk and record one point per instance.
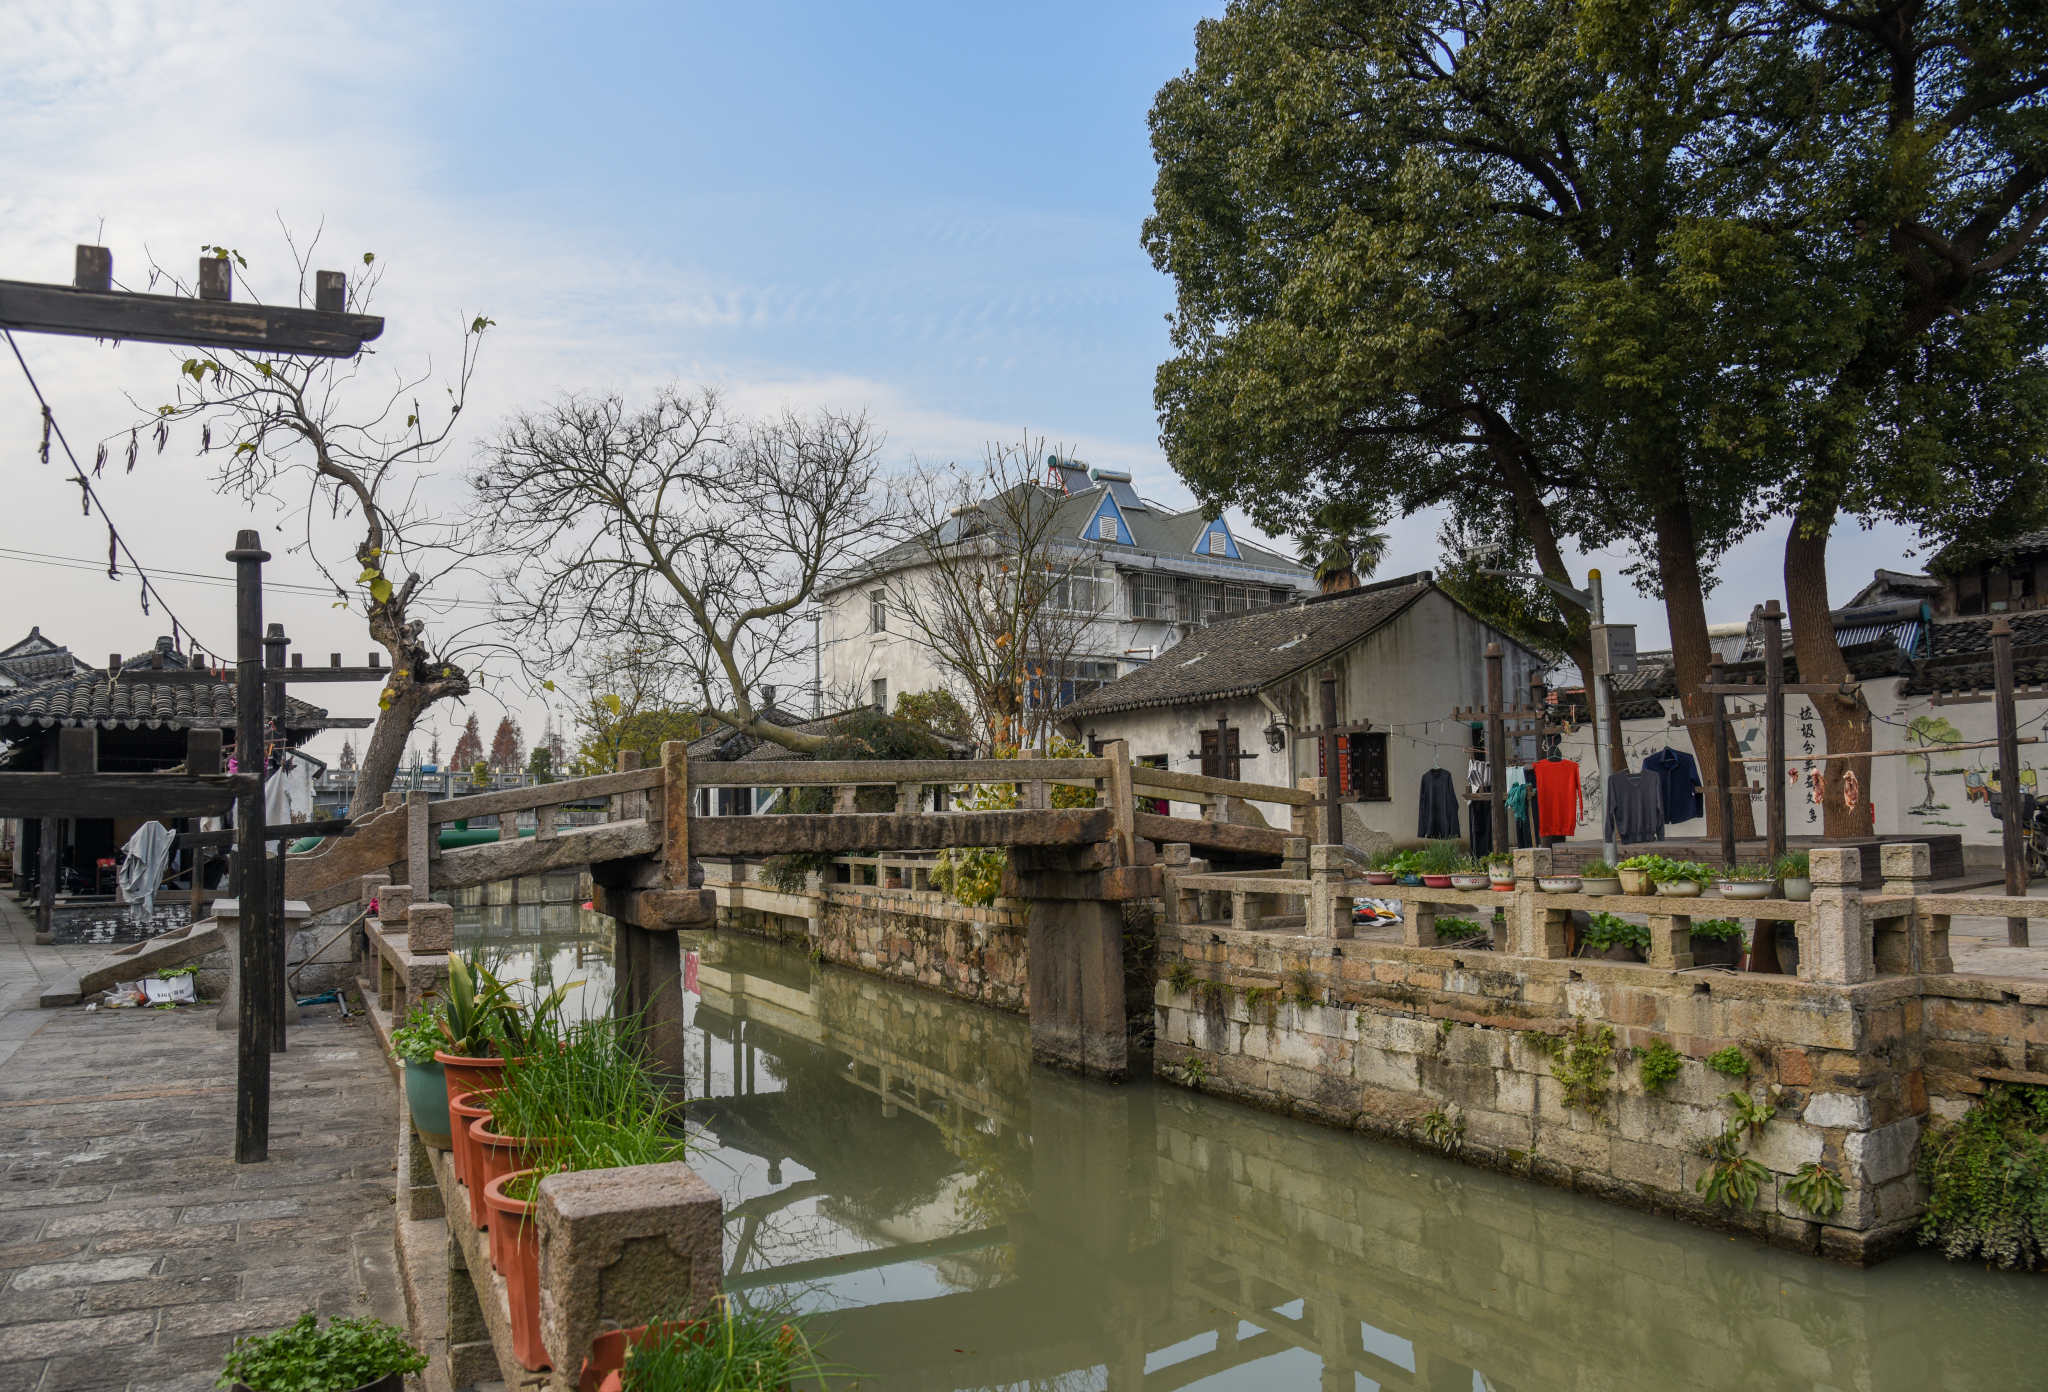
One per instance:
(1685, 610)
(1844, 719)
(417, 681)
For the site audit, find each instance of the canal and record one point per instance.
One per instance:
(959, 1219)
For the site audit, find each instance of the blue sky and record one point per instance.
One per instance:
(929, 211)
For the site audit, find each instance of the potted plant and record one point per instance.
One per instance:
(1795, 872)
(414, 1045)
(1634, 874)
(1615, 938)
(1717, 942)
(470, 1020)
(1379, 866)
(1406, 868)
(733, 1346)
(1469, 873)
(348, 1355)
(1500, 870)
(1749, 879)
(1596, 876)
(1681, 879)
(1438, 861)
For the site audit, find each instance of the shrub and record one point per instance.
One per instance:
(1987, 1173)
(1731, 1061)
(1660, 1064)
(303, 1357)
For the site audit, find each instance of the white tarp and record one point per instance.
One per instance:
(148, 851)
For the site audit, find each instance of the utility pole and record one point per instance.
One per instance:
(257, 997)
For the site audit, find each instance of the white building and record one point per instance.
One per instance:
(1231, 700)
(1151, 576)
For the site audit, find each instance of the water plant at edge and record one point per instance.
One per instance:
(1660, 1064)
(1582, 1062)
(1987, 1176)
(1750, 1114)
(1302, 988)
(1732, 1176)
(1817, 1189)
(1731, 1061)
(304, 1357)
(1195, 1070)
(1180, 977)
(1445, 1132)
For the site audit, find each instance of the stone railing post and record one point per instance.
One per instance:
(392, 905)
(1329, 913)
(1539, 929)
(1670, 940)
(430, 929)
(419, 844)
(1911, 942)
(622, 1248)
(1836, 946)
(369, 889)
(1306, 822)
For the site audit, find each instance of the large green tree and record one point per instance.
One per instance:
(1396, 232)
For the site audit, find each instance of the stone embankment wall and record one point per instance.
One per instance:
(1472, 1051)
(915, 937)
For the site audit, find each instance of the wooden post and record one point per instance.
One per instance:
(1123, 803)
(253, 1028)
(2012, 802)
(1774, 726)
(202, 756)
(1497, 750)
(1724, 795)
(1333, 812)
(675, 820)
(622, 808)
(49, 862)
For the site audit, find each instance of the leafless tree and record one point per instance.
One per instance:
(342, 440)
(1000, 594)
(680, 530)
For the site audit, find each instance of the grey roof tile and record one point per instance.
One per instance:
(88, 697)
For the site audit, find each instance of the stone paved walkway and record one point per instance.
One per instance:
(132, 1249)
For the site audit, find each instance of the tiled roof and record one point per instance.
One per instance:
(1962, 653)
(724, 745)
(36, 659)
(1159, 533)
(89, 698)
(2025, 544)
(1242, 655)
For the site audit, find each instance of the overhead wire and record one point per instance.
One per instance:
(115, 541)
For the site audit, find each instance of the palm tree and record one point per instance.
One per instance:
(1342, 563)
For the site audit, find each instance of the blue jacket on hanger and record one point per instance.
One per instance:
(1683, 798)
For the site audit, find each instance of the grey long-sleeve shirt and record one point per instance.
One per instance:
(1635, 807)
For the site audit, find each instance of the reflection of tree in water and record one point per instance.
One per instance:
(999, 1164)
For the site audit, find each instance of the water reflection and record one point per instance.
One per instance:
(973, 1222)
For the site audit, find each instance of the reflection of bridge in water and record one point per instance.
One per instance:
(1153, 1239)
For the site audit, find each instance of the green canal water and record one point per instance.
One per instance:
(957, 1218)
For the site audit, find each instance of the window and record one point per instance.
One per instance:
(1361, 767)
(1085, 590)
(878, 611)
(1153, 597)
(1048, 686)
(1223, 764)
(1219, 599)
(1106, 528)
(879, 688)
(1219, 544)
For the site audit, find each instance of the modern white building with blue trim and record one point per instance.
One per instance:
(1150, 575)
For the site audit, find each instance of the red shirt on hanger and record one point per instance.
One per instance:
(1558, 804)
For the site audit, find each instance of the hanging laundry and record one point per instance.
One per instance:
(1558, 804)
(1684, 798)
(1520, 793)
(1477, 780)
(1438, 814)
(1635, 807)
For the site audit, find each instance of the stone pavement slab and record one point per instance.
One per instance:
(133, 1251)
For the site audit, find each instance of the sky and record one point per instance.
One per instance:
(929, 212)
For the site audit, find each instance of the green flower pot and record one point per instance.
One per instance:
(426, 1092)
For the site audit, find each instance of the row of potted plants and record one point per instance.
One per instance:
(1445, 865)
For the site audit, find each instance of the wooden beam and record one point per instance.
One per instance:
(1220, 836)
(253, 328)
(542, 795)
(1149, 778)
(801, 773)
(118, 794)
(529, 855)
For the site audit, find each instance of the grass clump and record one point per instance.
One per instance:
(734, 1349)
(588, 1103)
(1987, 1173)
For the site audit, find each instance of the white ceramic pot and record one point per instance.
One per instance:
(1468, 882)
(1598, 884)
(1798, 891)
(1746, 889)
(1679, 889)
(1562, 884)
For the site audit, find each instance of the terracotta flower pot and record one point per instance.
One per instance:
(522, 1270)
(463, 1113)
(609, 1350)
(1437, 881)
(495, 1157)
(466, 1074)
